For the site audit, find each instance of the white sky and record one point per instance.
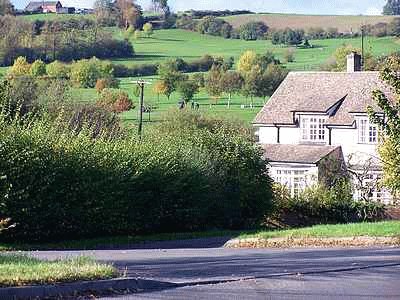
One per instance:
(353, 7)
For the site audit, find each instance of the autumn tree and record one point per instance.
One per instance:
(38, 68)
(170, 77)
(232, 83)
(390, 125)
(392, 7)
(246, 61)
(129, 13)
(160, 88)
(21, 67)
(6, 8)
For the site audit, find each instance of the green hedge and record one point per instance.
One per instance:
(56, 184)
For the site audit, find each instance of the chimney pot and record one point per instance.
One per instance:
(354, 62)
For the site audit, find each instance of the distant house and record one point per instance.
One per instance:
(316, 116)
(43, 7)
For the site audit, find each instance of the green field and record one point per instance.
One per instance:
(166, 44)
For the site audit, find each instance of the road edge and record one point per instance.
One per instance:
(76, 288)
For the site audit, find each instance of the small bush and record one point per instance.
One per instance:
(116, 101)
(58, 69)
(322, 205)
(38, 68)
(103, 83)
(86, 72)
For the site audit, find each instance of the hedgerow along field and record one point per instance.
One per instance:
(295, 21)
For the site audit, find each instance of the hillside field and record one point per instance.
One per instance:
(172, 43)
(281, 21)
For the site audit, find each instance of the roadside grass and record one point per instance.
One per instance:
(116, 242)
(344, 23)
(379, 229)
(19, 270)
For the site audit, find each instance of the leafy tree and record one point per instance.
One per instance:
(160, 89)
(232, 83)
(338, 62)
(246, 61)
(392, 7)
(288, 36)
(170, 76)
(6, 8)
(148, 29)
(199, 79)
(214, 82)
(187, 89)
(390, 125)
(253, 31)
(21, 67)
(130, 32)
(214, 26)
(253, 83)
(38, 68)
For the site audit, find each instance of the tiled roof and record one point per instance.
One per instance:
(308, 154)
(319, 92)
(35, 5)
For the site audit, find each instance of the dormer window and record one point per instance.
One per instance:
(313, 129)
(367, 132)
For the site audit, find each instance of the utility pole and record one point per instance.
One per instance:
(362, 47)
(141, 84)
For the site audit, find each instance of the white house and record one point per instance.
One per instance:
(314, 115)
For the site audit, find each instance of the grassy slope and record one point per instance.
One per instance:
(166, 44)
(281, 21)
(381, 229)
(18, 270)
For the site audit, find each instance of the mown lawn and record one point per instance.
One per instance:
(19, 270)
(380, 229)
(162, 105)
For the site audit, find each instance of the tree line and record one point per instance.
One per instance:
(255, 76)
(57, 40)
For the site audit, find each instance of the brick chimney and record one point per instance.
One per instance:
(354, 62)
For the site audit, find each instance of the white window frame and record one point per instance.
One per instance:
(367, 132)
(294, 179)
(312, 128)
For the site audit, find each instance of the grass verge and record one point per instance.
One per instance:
(379, 229)
(20, 270)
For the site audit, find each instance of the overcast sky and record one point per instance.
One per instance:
(353, 7)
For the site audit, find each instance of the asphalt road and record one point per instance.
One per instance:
(217, 273)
